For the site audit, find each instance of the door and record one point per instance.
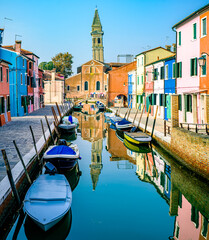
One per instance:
(168, 106)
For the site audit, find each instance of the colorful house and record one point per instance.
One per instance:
(190, 78)
(31, 85)
(17, 78)
(5, 115)
(148, 90)
(41, 87)
(143, 59)
(132, 88)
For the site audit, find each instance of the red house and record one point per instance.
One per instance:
(5, 115)
(30, 84)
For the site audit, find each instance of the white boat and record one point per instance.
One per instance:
(48, 200)
(62, 156)
(123, 124)
(70, 120)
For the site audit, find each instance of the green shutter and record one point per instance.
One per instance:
(191, 67)
(190, 103)
(204, 27)
(180, 69)
(194, 31)
(180, 103)
(174, 70)
(179, 38)
(195, 66)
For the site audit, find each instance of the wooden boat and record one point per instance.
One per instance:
(137, 137)
(48, 200)
(70, 120)
(123, 125)
(114, 120)
(62, 156)
(136, 148)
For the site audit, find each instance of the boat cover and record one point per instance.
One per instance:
(123, 122)
(70, 119)
(61, 149)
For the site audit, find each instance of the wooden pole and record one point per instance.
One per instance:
(34, 143)
(130, 109)
(58, 109)
(21, 159)
(153, 126)
(56, 130)
(49, 129)
(147, 118)
(135, 115)
(11, 180)
(141, 116)
(42, 126)
(55, 116)
(127, 110)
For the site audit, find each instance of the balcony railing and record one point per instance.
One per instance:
(196, 127)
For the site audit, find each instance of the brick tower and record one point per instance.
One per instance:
(97, 38)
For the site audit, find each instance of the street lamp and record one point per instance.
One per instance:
(202, 59)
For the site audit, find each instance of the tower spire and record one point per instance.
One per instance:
(97, 38)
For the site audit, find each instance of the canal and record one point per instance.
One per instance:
(125, 193)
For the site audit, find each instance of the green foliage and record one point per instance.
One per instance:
(46, 65)
(63, 63)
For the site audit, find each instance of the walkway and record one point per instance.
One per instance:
(18, 130)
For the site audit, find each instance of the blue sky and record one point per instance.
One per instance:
(130, 27)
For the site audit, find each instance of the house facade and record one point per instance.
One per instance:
(5, 115)
(132, 88)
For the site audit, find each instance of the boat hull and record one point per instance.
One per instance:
(137, 140)
(142, 148)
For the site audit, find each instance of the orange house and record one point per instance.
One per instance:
(118, 83)
(5, 115)
(204, 71)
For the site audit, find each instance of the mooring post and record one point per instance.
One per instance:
(145, 128)
(34, 143)
(63, 108)
(141, 116)
(56, 130)
(42, 126)
(21, 159)
(153, 127)
(55, 116)
(49, 129)
(58, 109)
(11, 180)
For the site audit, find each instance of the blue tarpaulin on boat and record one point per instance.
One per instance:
(70, 119)
(123, 122)
(62, 149)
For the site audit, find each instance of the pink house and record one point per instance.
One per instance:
(149, 87)
(187, 68)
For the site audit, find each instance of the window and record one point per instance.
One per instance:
(7, 73)
(99, 40)
(142, 61)
(203, 68)
(8, 103)
(91, 69)
(180, 103)
(86, 86)
(137, 80)
(179, 69)
(179, 38)
(193, 67)
(155, 74)
(204, 230)
(78, 88)
(68, 88)
(166, 72)
(97, 85)
(162, 73)
(142, 79)
(28, 80)
(21, 78)
(177, 231)
(1, 74)
(195, 216)
(2, 105)
(30, 65)
(105, 87)
(188, 103)
(195, 31)
(204, 27)
(25, 79)
(161, 98)
(154, 99)
(174, 70)
(94, 40)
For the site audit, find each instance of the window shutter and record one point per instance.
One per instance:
(190, 103)
(191, 67)
(180, 103)
(180, 69)
(195, 66)
(174, 70)
(194, 31)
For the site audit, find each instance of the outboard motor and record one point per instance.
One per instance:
(50, 168)
(62, 142)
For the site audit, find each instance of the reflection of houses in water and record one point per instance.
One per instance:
(96, 161)
(116, 148)
(190, 204)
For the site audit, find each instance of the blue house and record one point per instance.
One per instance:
(169, 84)
(17, 78)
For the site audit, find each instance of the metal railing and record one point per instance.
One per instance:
(196, 127)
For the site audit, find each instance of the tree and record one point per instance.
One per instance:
(63, 63)
(42, 65)
(46, 65)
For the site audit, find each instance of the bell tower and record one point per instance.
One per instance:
(97, 38)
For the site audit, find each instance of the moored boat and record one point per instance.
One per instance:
(137, 137)
(48, 200)
(70, 120)
(67, 128)
(136, 148)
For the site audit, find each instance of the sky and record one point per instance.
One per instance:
(130, 26)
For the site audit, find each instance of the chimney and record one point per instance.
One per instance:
(1, 35)
(18, 46)
(174, 47)
(168, 47)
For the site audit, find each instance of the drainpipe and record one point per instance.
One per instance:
(17, 85)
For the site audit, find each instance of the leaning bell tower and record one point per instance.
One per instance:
(97, 38)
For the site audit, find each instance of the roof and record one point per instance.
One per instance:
(116, 64)
(191, 15)
(123, 66)
(2, 60)
(48, 73)
(152, 50)
(163, 59)
(23, 51)
(96, 20)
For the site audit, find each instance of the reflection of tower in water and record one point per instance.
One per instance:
(96, 161)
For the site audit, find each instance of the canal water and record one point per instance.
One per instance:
(125, 193)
